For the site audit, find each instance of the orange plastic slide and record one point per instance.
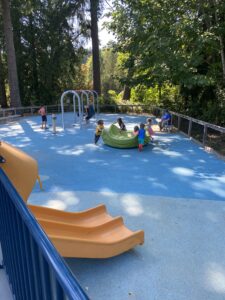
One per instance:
(21, 169)
(90, 234)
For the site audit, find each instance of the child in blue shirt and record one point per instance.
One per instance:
(141, 137)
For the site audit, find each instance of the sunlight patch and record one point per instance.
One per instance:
(213, 186)
(90, 146)
(215, 278)
(71, 152)
(56, 204)
(131, 204)
(183, 171)
(151, 179)
(68, 197)
(202, 161)
(93, 161)
(221, 179)
(159, 185)
(107, 192)
(145, 160)
(171, 153)
(159, 150)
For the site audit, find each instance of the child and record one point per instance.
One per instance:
(136, 130)
(121, 124)
(42, 112)
(149, 127)
(90, 112)
(98, 131)
(141, 137)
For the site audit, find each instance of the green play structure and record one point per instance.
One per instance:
(117, 138)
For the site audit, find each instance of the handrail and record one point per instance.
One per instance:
(150, 109)
(31, 108)
(216, 127)
(34, 267)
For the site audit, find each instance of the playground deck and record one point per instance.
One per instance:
(173, 190)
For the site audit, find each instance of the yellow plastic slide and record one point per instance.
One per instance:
(91, 234)
(21, 169)
(102, 241)
(88, 218)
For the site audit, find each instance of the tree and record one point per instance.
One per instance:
(3, 99)
(11, 56)
(49, 37)
(183, 47)
(95, 46)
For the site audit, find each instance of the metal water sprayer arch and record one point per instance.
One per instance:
(75, 96)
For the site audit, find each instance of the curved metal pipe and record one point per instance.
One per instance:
(75, 95)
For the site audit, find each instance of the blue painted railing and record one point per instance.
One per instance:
(35, 269)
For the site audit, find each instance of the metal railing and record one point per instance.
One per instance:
(209, 135)
(34, 267)
(56, 108)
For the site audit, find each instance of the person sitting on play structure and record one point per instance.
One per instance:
(141, 137)
(149, 128)
(98, 131)
(165, 120)
(90, 112)
(136, 130)
(121, 124)
(42, 112)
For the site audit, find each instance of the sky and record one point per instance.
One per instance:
(104, 35)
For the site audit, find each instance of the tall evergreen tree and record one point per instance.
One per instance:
(3, 100)
(94, 6)
(11, 56)
(48, 41)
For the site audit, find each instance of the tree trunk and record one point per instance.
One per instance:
(222, 54)
(35, 83)
(222, 57)
(11, 56)
(3, 100)
(126, 92)
(95, 46)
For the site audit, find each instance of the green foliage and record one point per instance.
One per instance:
(164, 95)
(110, 71)
(113, 98)
(48, 48)
(172, 43)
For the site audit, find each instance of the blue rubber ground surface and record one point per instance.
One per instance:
(173, 190)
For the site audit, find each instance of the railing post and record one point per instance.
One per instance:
(204, 135)
(189, 127)
(178, 125)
